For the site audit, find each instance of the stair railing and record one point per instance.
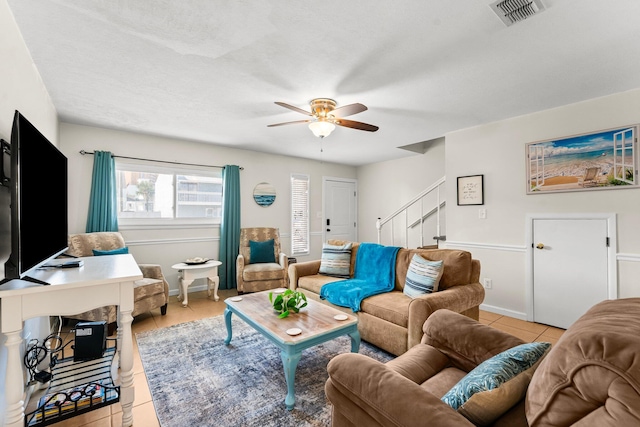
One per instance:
(440, 203)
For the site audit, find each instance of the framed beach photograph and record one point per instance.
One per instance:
(471, 190)
(606, 159)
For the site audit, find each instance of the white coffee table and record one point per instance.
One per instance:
(190, 272)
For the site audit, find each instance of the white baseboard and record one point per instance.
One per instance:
(175, 292)
(503, 311)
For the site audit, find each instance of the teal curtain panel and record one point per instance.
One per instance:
(103, 211)
(230, 226)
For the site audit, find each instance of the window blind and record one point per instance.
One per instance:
(299, 214)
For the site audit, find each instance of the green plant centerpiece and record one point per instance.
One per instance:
(288, 301)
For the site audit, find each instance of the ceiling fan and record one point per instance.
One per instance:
(325, 115)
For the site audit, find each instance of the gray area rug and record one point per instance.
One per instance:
(196, 380)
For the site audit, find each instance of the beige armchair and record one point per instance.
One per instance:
(149, 293)
(259, 276)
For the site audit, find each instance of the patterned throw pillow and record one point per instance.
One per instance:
(336, 260)
(97, 252)
(495, 385)
(423, 276)
(261, 252)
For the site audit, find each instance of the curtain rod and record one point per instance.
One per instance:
(83, 152)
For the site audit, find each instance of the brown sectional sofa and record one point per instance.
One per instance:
(393, 321)
(590, 377)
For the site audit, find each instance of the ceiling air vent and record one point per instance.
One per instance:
(512, 11)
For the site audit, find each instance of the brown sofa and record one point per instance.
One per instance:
(393, 321)
(591, 376)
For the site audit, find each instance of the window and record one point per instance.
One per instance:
(147, 192)
(299, 214)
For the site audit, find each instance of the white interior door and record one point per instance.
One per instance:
(570, 268)
(339, 209)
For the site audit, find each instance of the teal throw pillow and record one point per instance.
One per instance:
(118, 251)
(423, 276)
(495, 385)
(336, 260)
(261, 252)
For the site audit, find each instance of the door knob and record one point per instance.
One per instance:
(540, 246)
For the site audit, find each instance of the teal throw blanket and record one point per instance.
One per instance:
(375, 273)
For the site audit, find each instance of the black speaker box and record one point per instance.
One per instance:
(90, 340)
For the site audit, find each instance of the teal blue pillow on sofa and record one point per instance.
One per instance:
(97, 252)
(261, 252)
(495, 385)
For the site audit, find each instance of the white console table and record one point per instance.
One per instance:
(102, 280)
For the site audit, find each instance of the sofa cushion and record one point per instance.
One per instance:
(423, 276)
(261, 252)
(263, 271)
(119, 251)
(495, 385)
(457, 266)
(147, 287)
(390, 306)
(314, 282)
(336, 260)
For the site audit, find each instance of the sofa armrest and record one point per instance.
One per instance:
(465, 341)
(154, 271)
(367, 392)
(456, 298)
(239, 268)
(301, 269)
(283, 260)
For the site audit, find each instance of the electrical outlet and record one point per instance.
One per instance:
(487, 283)
(482, 213)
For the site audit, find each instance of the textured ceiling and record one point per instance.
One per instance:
(210, 70)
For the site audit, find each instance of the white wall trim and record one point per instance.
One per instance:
(503, 311)
(166, 226)
(174, 292)
(171, 241)
(628, 257)
(449, 244)
(612, 282)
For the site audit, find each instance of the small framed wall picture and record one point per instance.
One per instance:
(471, 190)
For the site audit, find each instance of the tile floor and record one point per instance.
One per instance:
(200, 306)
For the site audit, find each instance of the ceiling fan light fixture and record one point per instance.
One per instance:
(321, 128)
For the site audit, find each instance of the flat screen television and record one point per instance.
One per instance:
(38, 186)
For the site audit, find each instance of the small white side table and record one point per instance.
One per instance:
(190, 272)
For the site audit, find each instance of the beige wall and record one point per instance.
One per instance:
(497, 150)
(168, 245)
(21, 89)
(386, 186)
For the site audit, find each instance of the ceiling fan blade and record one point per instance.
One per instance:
(289, 123)
(348, 110)
(356, 125)
(296, 109)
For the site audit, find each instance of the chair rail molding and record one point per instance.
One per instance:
(452, 244)
(628, 257)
